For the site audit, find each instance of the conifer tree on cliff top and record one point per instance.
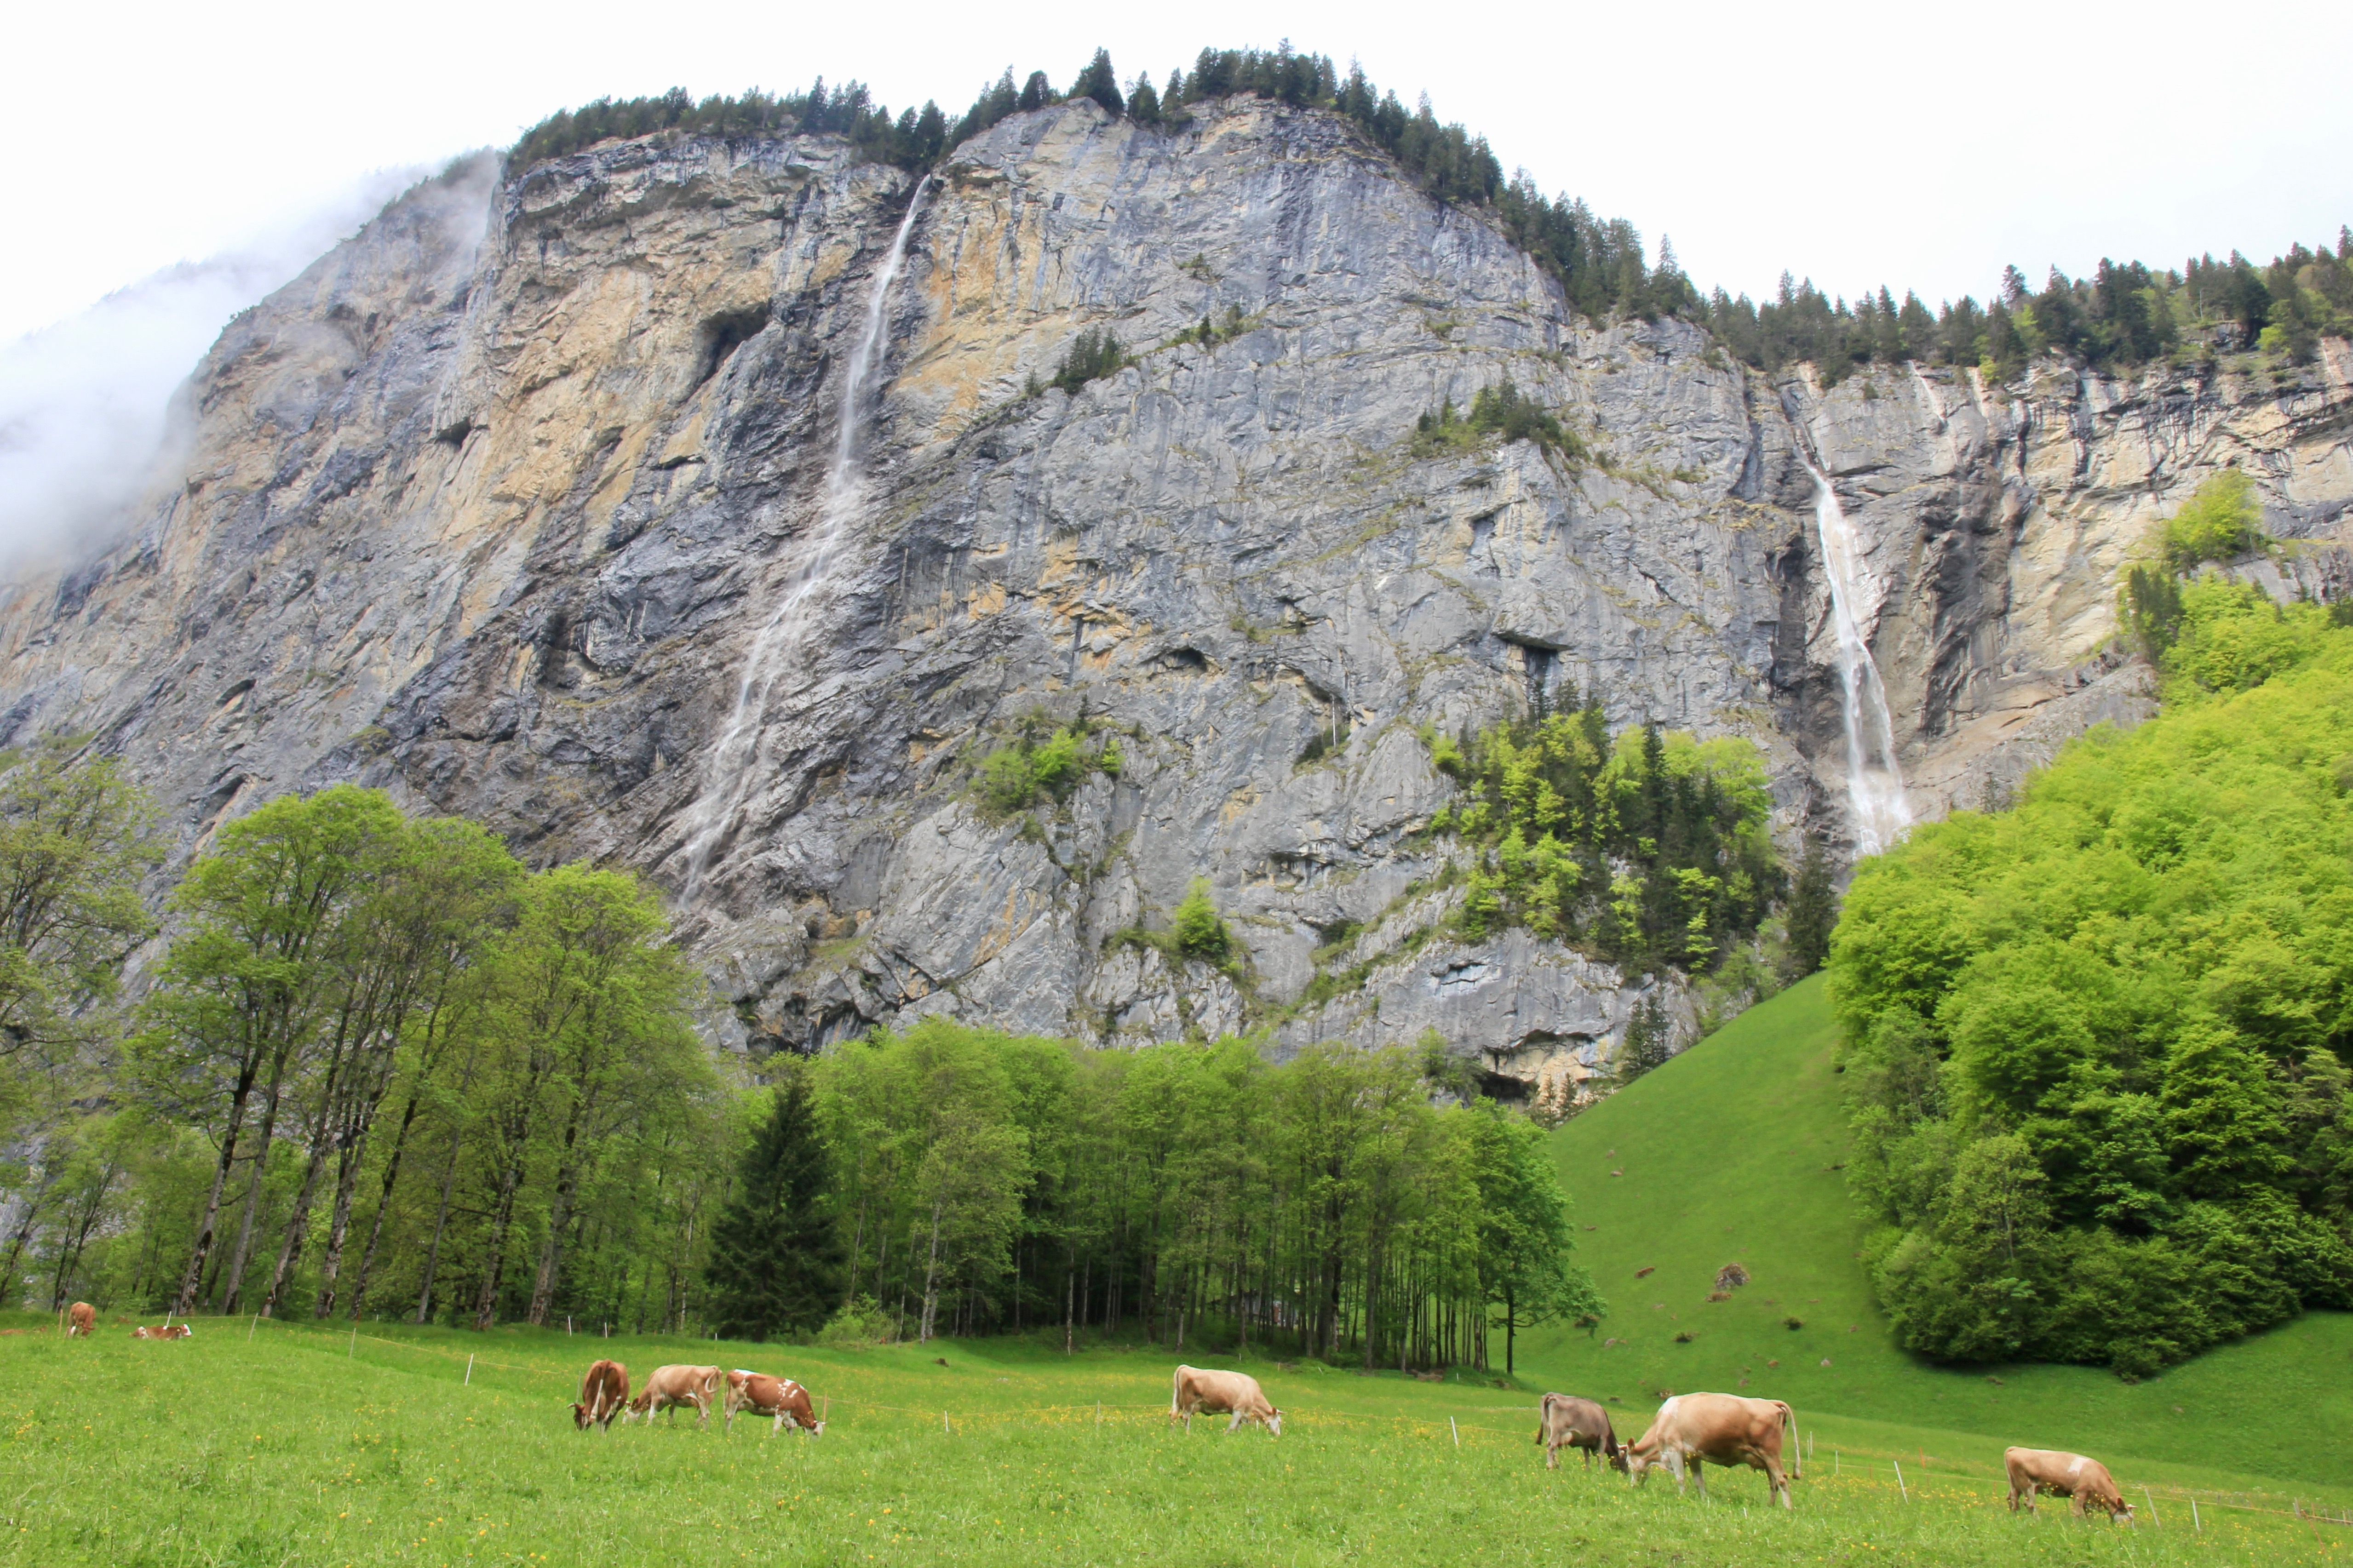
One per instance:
(775, 1263)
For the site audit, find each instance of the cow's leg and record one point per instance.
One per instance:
(1780, 1482)
(1552, 1455)
(1235, 1425)
(1698, 1473)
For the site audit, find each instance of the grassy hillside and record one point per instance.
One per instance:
(1732, 1154)
(309, 1448)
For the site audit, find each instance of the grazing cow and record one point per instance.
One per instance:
(2070, 1475)
(603, 1393)
(1198, 1389)
(671, 1386)
(81, 1317)
(164, 1331)
(1564, 1421)
(1716, 1429)
(778, 1396)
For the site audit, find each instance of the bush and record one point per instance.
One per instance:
(861, 1324)
(1497, 410)
(1199, 931)
(1031, 771)
(2221, 521)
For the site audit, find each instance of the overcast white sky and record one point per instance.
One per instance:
(1849, 141)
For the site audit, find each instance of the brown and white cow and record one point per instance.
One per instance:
(670, 1387)
(1197, 1390)
(603, 1393)
(778, 1396)
(2072, 1476)
(1564, 1421)
(81, 1317)
(1693, 1429)
(164, 1331)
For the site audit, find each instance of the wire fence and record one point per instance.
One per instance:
(1475, 1425)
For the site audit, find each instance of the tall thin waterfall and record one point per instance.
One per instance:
(734, 770)
(1874, 783)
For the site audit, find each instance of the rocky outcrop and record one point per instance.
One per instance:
(494, 504)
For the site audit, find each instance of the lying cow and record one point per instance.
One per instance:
(778, 1396)
(2072, 1476)
(1215, 1392)
(603, 1393)
(164, 1331)
(670, 1387)
(1691, 1430)
(81, 1317)
(1564, 1421)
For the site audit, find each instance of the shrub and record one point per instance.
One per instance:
(1199, 931)
(859, 1325)
(2219, 522)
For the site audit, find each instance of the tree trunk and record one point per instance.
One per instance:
(1069, 1300)
(486, 1305)
(931, 1280)
(202, 1252)
(239, 1253)
(289, 1251)
(383, 1203)
(441, 1226)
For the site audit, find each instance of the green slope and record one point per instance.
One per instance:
(1731, 1154)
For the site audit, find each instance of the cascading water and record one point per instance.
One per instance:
(734, 769)
(1874, 783)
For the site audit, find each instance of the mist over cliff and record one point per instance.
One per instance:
(531, 502)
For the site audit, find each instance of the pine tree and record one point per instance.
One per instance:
(775, 1260)
(1812, 913)
(1097, 82)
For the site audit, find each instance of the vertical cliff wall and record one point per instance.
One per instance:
(491, 506)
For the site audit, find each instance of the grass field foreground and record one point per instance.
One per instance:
(300, 1446)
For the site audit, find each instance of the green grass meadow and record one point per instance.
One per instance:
(287, 1444)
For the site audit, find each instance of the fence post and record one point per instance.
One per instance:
(1451, 1427)
(469, 1370)
(1899, 1490)
(1834, 1464)
(943, 1424)
(253, 1325)
(2153, 1518)
(352, 1348)
(2197, 1525)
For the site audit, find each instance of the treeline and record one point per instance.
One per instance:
(2121, 316)
(1646, 849)
(381, 1070)
(1599, 263)
(2098, 1044)
(1329, 1206)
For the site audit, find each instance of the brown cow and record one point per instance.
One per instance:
(1198, 1389)
(81, 1317)
(1564, 1421)
(1716, 1429)
(778, 1396)
(164, 1331)
(2070, 1475)
(603, 1393)
(671, 1386)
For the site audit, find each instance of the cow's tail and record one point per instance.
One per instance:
(1789, 1425)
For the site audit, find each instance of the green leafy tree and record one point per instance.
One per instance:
(775, 1263)
(75, 836)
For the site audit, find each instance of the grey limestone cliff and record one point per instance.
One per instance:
(491, 506)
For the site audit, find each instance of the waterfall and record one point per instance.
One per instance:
(1874, 783)
(735, 766)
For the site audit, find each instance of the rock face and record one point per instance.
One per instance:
(494, 506)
